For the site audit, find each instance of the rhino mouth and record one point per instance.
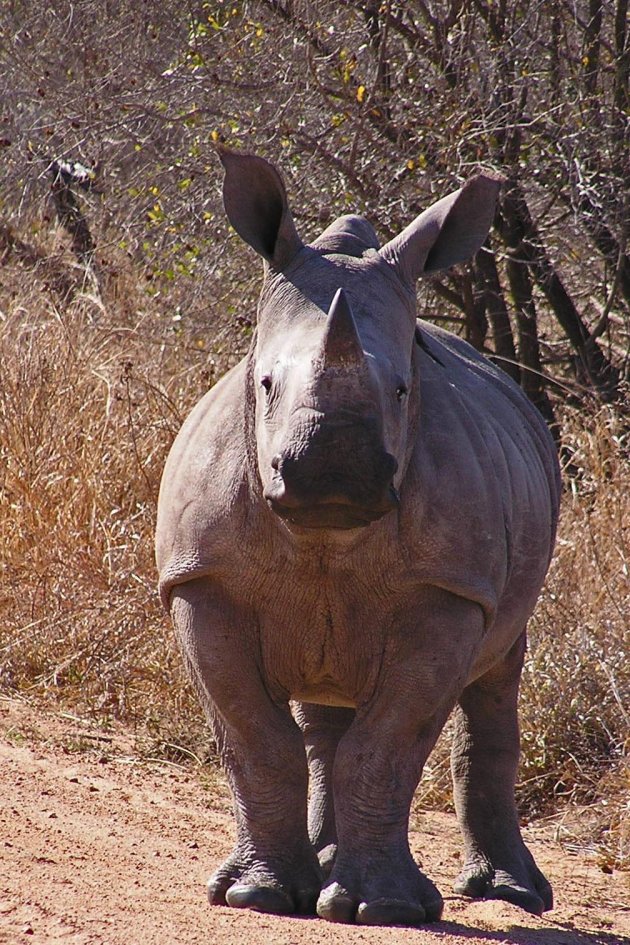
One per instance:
(339, 514)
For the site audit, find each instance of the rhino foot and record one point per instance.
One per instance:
(281, 888)
(387, 899)
(520, 883)
(260, 898)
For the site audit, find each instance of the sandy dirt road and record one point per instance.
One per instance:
(98, 847)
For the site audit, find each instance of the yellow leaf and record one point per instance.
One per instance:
(214, 135)
(361, 93)
(410, 165)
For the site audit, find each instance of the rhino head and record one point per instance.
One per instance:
(333, 385)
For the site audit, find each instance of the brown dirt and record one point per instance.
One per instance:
(99, 846)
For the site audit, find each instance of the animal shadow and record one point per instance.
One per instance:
(556, 933)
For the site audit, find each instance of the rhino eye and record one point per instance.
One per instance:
(401, 391)
(265, 382)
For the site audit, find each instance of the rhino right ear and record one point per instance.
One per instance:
(448, 232)
(255, 201)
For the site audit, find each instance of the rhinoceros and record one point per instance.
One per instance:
(354, 525)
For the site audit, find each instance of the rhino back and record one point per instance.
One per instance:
(491, 396)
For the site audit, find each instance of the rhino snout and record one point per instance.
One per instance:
(333, 488)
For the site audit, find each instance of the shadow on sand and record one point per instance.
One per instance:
(556, 933)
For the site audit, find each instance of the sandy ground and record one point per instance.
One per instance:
(100, 847)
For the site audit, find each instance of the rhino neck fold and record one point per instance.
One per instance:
(413, 419)
(249, 423)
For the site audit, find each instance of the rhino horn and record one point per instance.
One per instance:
(341, 345)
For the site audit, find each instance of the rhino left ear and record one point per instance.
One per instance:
(448, 232)
(256, 203)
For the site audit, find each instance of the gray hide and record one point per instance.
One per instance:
(354, 525)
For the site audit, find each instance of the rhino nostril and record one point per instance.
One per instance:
(390, 464)
(275, 462)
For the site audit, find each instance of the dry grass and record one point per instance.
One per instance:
(90, 399)
(576, 687)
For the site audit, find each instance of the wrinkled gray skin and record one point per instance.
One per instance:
(357, 520)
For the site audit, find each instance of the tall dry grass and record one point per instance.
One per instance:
(575, 704)
(90, 400)
(91, 395)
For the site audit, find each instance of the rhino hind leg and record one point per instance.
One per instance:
(273, 867)
(484, 761)
(322, 727)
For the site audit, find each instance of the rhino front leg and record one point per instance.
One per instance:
(273, 867)
(484, 762)
(322, 727)
(375, 880)
(378, 764)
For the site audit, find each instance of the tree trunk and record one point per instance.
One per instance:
(532, 378)
(487, 279)
(525, 245)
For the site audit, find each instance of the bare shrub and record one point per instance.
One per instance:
(375, 107)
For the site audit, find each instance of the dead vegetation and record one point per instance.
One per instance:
(90, 400)
(575, 709)
(91, 396)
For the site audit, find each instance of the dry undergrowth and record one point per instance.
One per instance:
(91, 396)
(90, 400)
(575, 705)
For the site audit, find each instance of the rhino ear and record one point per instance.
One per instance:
(448, 232)
(255, 201)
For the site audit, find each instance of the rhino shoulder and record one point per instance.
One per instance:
(204, 488)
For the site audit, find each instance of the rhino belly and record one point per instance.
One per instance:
(324, 692)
